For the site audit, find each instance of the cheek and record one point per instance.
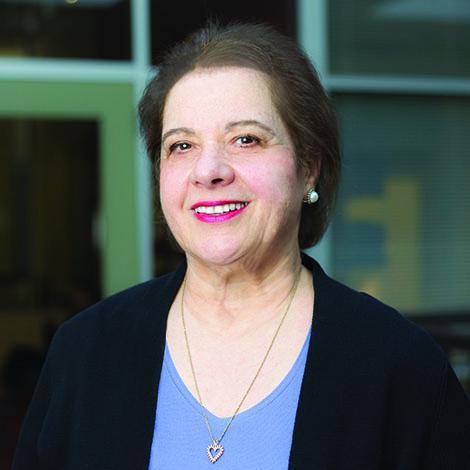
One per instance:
(171, 195)
(277, 181)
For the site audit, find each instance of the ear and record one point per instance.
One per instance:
(311, 174)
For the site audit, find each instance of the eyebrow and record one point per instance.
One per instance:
(177, 130)
(229, 126)
(249, 122)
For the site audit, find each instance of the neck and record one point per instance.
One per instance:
(228, 296)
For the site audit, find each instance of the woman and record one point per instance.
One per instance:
(248, 356)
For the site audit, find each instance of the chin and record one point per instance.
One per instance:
(220, 253)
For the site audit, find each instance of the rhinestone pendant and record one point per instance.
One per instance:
(214, 452)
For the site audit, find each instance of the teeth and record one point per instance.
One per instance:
(220, 209)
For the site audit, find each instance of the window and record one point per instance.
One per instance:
(72, 29)
(400, 37)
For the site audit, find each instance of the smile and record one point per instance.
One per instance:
(218, 211)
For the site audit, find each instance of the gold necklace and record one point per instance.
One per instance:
(215, 450)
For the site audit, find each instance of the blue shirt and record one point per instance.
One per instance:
(258, 438)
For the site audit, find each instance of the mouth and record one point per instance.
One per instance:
(218, 211)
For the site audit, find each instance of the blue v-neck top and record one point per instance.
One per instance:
(259, 437)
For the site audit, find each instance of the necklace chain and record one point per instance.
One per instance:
(214, 451)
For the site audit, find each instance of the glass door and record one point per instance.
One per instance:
(68, 219)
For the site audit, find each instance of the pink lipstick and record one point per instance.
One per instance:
(218, 211)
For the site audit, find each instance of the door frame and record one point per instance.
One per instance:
(112, 106)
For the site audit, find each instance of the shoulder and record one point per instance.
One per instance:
(383, 365)
(129, 304)
(131, 313)
(368, 328)
(406, 345)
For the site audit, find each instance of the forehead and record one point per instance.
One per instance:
(227, 93)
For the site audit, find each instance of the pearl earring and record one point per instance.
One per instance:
(311, 197)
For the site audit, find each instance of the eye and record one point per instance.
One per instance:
(247, 140)
(180, 147)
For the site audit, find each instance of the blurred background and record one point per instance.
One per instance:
(78, 219)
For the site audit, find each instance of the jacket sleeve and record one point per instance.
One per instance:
(450, 444)
(27, 449)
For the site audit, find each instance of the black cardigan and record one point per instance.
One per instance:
(377, 393)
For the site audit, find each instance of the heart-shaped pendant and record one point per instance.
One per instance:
(214, 452)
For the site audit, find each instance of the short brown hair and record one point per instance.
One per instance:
(296, 91)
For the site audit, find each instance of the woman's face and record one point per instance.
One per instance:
(229, 184)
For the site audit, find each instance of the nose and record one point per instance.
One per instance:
(211, 169)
